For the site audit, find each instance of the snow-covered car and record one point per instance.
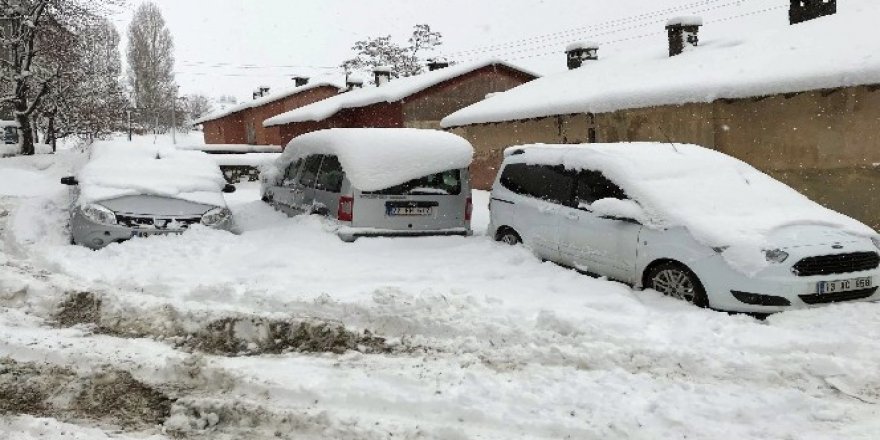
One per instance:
(376, 182)
(9, 133)
(684, 220)
(137, 191)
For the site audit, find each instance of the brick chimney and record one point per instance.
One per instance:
(300, 80)
(683, 34)
(261, 92)
(806, 10)
(437, 63)
(578, 53)
(382, 75)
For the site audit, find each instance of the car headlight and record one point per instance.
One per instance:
(876, 241)
(776, 256)
(99, 214)
(215, 216)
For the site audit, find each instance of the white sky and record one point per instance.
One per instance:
(232, 46)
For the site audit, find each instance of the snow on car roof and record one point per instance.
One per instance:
(123, 170)
(722, 201)
(231, 148)
(266, 100)
(392, 92)
(380, 158)
(829, 52)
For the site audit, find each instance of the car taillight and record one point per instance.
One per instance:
(469, 210)
(346, 209)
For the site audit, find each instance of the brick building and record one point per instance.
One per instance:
(414, 102)
(243, 123)
(801, 103)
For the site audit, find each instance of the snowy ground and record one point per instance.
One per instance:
(286, 332)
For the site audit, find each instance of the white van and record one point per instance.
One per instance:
(686, 221)
(376, 182)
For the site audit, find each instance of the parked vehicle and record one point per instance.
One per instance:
(9, 133)
(127, 191)
(377, 182)
(686, 221)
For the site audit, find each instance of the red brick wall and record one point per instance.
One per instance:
(228, 130)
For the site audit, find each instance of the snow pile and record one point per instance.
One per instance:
(123, 170)
(380, 158)
(722, 201)
(834, 51)
(394, 91)
(244, 160)
(231, 148)
(266, 100)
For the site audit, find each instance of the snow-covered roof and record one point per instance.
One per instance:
(124, 170)
(380, 158)
(700, 189)
(687, 20)
(231, 148)
(834, 51)
(582, 45)
(394, 91)
(266, 100)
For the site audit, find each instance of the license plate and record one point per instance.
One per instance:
(845, 285)
(410, 211)
(145, 234)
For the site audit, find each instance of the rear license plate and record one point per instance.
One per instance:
(409, 211)
(144, 234)
(845, 285)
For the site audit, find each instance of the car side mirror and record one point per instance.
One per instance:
(229, 188)
(69, 181)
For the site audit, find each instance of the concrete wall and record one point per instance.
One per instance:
(823, 143)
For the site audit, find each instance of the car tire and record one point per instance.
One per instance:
(510, 237)
(677, 281)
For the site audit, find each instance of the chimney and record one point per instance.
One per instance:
(437, 63)
(683, 34)
(261, 92)
(300, 80)
(382, 75)
(806, 10)
(578, 53)
(353, 82)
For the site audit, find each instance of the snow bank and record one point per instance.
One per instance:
(379, 158)
(722, 201)
(394, 91)
(266, 100)
(121, 170)
(244, 160)
(834, 51)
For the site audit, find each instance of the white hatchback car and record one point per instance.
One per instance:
(686, 221)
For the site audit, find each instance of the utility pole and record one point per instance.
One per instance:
(174, 117)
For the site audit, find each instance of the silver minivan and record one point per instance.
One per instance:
(317, 181)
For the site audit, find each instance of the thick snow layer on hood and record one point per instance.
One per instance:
(722, 201)
(266, 100)
(380, 158)
(123, 170)
(394, 91)
(833, 51)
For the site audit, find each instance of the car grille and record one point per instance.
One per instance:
(174, 223)
(827, 298)
(834, 264)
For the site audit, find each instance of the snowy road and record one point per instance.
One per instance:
(285, 330)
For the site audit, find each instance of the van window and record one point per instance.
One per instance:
(292, 172)
(550, 183)
(309, 173)
(331, 176)
(441, 184)
(592, 186)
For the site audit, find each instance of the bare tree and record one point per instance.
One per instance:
(151, 62)
(383, 51)
(33, 38)
(196, 106)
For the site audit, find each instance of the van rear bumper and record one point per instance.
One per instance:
(351, 234)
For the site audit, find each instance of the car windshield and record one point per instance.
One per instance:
(442, 184)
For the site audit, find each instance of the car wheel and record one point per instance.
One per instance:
(509, 237)
(677, 281)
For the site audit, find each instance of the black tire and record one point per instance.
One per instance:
(509, 236)
(678, 281)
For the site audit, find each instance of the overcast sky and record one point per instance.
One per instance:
(232, 46)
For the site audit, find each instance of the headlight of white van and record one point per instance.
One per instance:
(776, 256)
(215, 216)
(99, 214)
(876, 241)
